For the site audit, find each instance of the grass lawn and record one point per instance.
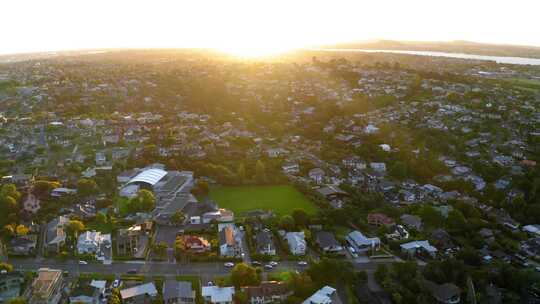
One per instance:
(281, 199)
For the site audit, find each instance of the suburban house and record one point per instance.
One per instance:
(10, 285)
(360, 242)
(380, 219)
(267, 292)
(297, 242)
(178, 292)
(56, 236)
(195, 243)
(89, 294)
(220, 215)
(290, 168)
(412, 221)
(218, 295)
(446, 293)
(442, 239)
(23, 244)
(91, 241)
(133, 240)
(327, 242)
(533, 230)
(265, 243)
(325, 295)
(334, 195)
(46, 287)
(418, 247)
(31, 204)
(144, 293)
(317, 175)
(230, 243)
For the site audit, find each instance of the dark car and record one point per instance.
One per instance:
(132, 271)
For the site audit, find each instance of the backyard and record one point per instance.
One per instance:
(281, 199)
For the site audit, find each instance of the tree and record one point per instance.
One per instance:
(301, 218)
(22, 230)
(245, 275)
(87, 187)
(161, 249)
(101, 218)
(10, 190)
(73, 227)
(8, 204)
(43, 188)
(18, 300)
(302, 284)
(286, 223)
(150, 153)
(178, 217)
(241, 172)
(202, 188)
(8, 230)
(260, 172)
(115, 297)
(381, 273)
(431, 217)
(399, 170)
(147, 200)
(456, 221)
(143, 202)
(7, 267)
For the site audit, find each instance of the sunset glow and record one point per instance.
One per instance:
(251, 28)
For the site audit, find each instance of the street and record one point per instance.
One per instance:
(155, 268)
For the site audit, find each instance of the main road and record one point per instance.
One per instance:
(154, 268)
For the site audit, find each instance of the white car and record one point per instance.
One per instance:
(229, 264)
(116, 283)
(273, 263)
(268, 266)
(302, 263)
(83, 263)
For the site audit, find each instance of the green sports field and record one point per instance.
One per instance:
(282, 199)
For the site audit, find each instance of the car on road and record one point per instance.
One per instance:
(132, 271)
(256, 263)
(302, 263)
(83, 263)
(116, 283)
(268, 266)
(273, 263)
(229, 264)
(210, 283)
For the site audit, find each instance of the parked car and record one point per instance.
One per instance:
(83, 263)
(302, 263)
(132, 271)
(229, 264)
(116, 283)
(268, 266)
(273, 263)
(256, 263)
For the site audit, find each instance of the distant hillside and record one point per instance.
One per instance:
(465, 47)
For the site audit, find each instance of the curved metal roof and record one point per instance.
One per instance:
(150, 176)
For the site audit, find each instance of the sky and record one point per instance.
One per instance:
(258, 26)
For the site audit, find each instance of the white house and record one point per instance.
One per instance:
(317, 175)
(414, 247)
(297, 242)
(360, 242)
(218, 295)
(325, 295)
(91, 241)
(139, 292)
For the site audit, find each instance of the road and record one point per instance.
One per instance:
(154, 268)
